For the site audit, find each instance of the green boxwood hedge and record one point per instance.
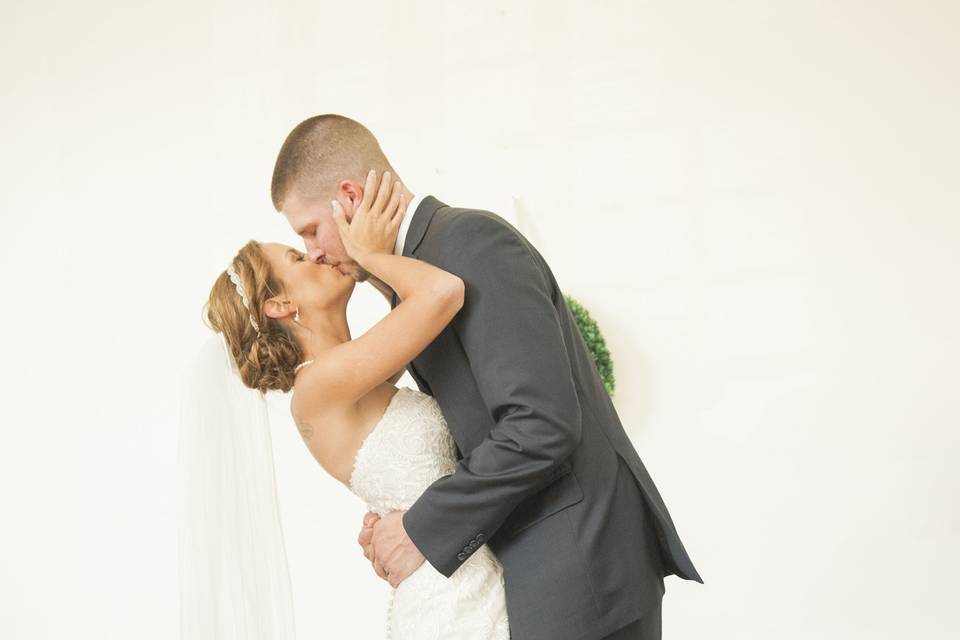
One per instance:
(595, 342)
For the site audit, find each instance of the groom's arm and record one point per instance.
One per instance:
(512, 337)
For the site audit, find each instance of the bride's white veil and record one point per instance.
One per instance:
(234, 577)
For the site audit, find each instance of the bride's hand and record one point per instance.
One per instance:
(374, 226)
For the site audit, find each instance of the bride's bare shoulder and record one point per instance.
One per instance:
(310, 403)
(315, 390)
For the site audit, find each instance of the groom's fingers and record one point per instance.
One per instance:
(365, 539)
(397, 568)
(366, 535)
(379, 569)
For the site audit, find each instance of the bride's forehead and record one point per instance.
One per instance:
(275, 249)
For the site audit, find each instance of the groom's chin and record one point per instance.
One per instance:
(358, 274)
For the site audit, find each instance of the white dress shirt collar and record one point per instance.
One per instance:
(405, 225)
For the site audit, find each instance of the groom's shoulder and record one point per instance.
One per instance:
(463, 224)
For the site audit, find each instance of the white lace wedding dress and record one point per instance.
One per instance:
(408, 449)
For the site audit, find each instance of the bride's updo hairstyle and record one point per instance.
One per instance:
(266, 361)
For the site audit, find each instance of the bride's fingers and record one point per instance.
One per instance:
(391, 208)
(401, 211)
(369, 189)
(365, 537)
(383, 193)
(341, 220)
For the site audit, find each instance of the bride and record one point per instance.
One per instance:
(282, 321)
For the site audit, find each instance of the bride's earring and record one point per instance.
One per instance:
(296, 314)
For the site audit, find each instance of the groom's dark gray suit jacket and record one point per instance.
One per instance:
(583, 553)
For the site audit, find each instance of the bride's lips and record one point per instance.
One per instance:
(335, 267)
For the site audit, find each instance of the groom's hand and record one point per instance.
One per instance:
(365, 539)
(395, 556)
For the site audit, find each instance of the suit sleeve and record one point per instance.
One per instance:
(510, 332)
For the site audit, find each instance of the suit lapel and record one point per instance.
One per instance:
(418, 227)
(415, 232)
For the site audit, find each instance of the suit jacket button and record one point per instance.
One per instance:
(474, 544)
(479, 537)
(461, 557)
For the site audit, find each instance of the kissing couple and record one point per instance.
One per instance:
(504, 497)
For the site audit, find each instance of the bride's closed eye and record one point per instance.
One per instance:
(299, 256)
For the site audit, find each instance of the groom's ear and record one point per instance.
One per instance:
(352, 192)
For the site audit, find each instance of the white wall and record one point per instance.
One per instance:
(757, 200)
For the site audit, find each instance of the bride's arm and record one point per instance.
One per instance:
(382, 287)
(430, 298)
(387, 292)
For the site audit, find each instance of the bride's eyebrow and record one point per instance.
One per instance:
(289, 251)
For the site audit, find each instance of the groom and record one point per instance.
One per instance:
(546, 473)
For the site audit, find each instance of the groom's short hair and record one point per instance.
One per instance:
(320, 152)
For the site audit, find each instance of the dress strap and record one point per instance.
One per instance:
(301, 365)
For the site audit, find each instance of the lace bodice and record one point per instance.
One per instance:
(408, 449)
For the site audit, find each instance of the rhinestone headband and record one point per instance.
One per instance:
(235, 279)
